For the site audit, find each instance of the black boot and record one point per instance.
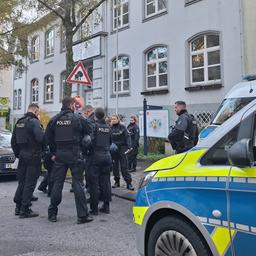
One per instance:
(116, 185)
(52, 217)
(44, 190)
(28, 214)
(17, 211)
(105, 208)
(129, 186)
(82, 220)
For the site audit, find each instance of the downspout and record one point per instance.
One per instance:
(106, 58)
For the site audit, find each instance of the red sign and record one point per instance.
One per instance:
(79, 76)
(79, 102)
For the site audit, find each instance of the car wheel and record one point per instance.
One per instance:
(173, 236)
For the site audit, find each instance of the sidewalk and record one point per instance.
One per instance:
(122, 192)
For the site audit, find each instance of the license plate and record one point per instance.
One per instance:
(8, 166)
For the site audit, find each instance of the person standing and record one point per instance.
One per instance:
(184, 134)
(134, 131)
(121, 138)
(27, 143)
(100, 164)
(63, 134)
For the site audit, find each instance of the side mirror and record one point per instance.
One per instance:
(241, 153)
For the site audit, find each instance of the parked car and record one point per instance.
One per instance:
(7, 157)
(203, 202)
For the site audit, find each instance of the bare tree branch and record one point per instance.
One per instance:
(51, 9)
(87, 15)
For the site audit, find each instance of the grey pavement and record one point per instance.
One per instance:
(107, 235)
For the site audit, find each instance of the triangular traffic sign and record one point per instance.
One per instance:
(79, 76)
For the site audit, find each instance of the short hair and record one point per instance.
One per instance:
(67, 101)
(99, 113)
(33, 106)
(180, 102)
(88, 108)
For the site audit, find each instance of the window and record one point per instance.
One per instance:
(153, 7)
(157, 68)
(62, 39)
(35, 48)
(120, 14)
(218, 154)
(34, 90)
(123, 80)
(205, 60)
(15, 99)
(63, 77)
(19, 98)
(48, 90)
(49, 43)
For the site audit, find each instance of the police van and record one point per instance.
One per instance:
(203, 202)
(238, 97)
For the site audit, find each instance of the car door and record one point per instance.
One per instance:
(242, 199)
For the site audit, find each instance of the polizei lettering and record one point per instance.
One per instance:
(64, 122)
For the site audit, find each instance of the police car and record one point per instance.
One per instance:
(203, 202)
(238, 97)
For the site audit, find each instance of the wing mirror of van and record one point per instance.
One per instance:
(241, 153)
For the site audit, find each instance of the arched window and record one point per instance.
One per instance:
(205, 60)
(157, 68)
(122, 83)
(49, 42)
(48, 88)
(34, 90)
(63, 77)
(35, 48)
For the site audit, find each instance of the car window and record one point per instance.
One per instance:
(5, 140)
(229, 107)
(218, 154)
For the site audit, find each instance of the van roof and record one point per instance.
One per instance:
(244, 89)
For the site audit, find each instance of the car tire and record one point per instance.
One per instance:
(172, 236)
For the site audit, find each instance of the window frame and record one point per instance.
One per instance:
(114, 7)
(114, 68)
(51, 93)
(19, 99)
(157, 74)
(36, 95)
(35, 48)
(15, 99)
(157, 12)
(205, 66)
(47, 40)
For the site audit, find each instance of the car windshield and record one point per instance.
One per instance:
(228, 108)
(5, 139)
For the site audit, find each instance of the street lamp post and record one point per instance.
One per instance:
(117, 55)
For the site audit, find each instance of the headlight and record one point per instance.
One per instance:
(144, 181)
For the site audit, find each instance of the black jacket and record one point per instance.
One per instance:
(120, 136)
(134, 131)
(34, 131)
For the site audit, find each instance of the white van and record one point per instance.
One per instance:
(238, 97)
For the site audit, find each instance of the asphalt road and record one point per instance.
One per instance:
(107, 235)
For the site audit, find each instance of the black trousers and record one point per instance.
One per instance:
(120, 160)
(132, 159)
(47, 181)
(58, 177)
(99, 184)
(27, 174)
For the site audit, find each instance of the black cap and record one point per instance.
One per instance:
(99, 113)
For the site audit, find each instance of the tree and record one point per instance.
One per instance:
(66, 11)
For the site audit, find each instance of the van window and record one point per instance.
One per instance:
(229, 107)
(218, 154)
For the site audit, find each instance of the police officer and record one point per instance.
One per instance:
(100, 164)
(121, 138)
(63, 134)
(184, 135)
(27, 141)
(134, 131)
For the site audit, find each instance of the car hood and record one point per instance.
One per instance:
(5, 151)
(167, 163)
